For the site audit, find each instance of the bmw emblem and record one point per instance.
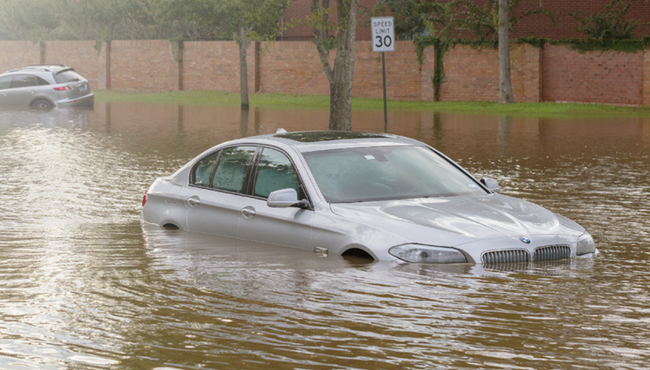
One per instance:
(525, 240)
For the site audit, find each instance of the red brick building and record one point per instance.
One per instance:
(535, 25)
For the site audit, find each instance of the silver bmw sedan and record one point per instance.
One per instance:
(379, 196)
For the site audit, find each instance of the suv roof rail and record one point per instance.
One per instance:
(45, 64)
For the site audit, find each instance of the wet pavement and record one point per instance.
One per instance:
(83, 285)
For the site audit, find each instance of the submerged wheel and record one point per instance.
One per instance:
(42, 104)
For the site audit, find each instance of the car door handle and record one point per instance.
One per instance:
(193, 201)
(248, 212)
(32, 92)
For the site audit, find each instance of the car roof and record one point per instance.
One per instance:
(40, 68)
(311, 141)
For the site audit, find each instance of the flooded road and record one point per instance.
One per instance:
(83, 285)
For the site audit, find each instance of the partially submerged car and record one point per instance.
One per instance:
(45, 86)
(382, 196)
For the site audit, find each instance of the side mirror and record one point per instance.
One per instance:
(491, 184)
(286, 198)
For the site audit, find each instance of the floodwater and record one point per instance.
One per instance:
(83, 285)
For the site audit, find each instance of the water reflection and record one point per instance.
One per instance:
(84, 285)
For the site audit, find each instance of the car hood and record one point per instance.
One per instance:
(459, 220)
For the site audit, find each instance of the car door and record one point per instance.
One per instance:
(22, 89)
(5, 83)
(284, 226)
(217, 189)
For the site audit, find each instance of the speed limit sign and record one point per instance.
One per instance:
(383, 34)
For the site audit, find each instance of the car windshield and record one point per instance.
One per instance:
(383, 173)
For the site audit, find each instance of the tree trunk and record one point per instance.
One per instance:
(505, 85)
(339, 77)
(242, 41)
(341, 84)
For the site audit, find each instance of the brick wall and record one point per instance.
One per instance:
(214, 65)
(403, 79)
(293, 67)
(16, 54)
(426, 75)
(470, 74)
(473, 74)
(554, 73)
(143, 65)
(594, 77)
(85, 59)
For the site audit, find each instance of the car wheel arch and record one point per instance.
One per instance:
(37, 100)
(170, 226)
(358, 251)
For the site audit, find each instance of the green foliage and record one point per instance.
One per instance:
(585, 45)
(177, 46)
(537, 42)
(610, 26)
(419, 18)
(321, 24)
(107, 20)
(35, 22)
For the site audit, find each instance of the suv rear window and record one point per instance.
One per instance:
(68, 75)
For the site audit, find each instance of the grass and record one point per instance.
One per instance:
(284, 101)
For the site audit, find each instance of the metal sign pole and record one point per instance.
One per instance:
(383, 39)
(383, 70)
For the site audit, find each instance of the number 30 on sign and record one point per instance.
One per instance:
(383, 34)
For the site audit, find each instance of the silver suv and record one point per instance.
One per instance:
(45, 86)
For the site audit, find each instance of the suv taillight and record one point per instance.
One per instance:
(62, 88)
(144, 199)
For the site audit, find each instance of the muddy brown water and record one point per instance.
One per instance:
(83, 285)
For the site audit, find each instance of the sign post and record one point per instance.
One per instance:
(383, 40)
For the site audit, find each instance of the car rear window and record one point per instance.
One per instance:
(68, 75)
(202, 172)
(232, 169)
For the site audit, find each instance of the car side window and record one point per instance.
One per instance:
(274, 172)
(41, 81)
(232, 168)
(5, 82)
(202, 171)
(23, 81)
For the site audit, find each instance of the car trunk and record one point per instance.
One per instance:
(79, 89)
(78, 85)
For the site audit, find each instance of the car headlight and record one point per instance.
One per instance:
(427, 254)
(585, 244)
